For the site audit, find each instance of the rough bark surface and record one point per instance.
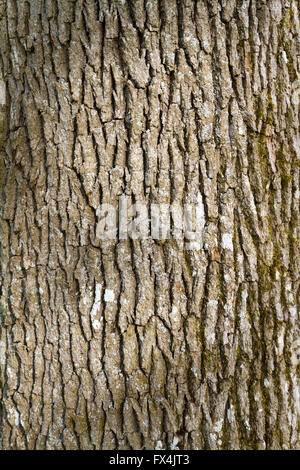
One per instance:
(144, 343)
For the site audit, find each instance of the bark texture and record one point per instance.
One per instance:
(140, 343)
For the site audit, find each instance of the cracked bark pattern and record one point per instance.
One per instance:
(143, 343)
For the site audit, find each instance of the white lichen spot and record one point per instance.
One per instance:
(293, 312)
(230, 414)
(252, 204)
(2, 352)
(174, 310)
(210, 338)
(200, 214)
(296, 92)
(247, 425)
(96, 305)
(14, 416)
(193, 246)
(2, 93)
(213, 304)
(109, 295)
(284, 57)
(17, 417)
(96, 324)
(295, 353)
(280, 342)
(266, 383)
(296, 393)
(242, 130)
(158, 445)
(244, 297)
(227, 241)
(218, 425)
(296, 144)
(174, 443)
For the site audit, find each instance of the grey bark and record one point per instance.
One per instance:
(161, 101)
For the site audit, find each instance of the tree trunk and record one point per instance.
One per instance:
(149, 343)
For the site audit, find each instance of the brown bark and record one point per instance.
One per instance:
(161, 101)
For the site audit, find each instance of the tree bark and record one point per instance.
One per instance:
(143, 343)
